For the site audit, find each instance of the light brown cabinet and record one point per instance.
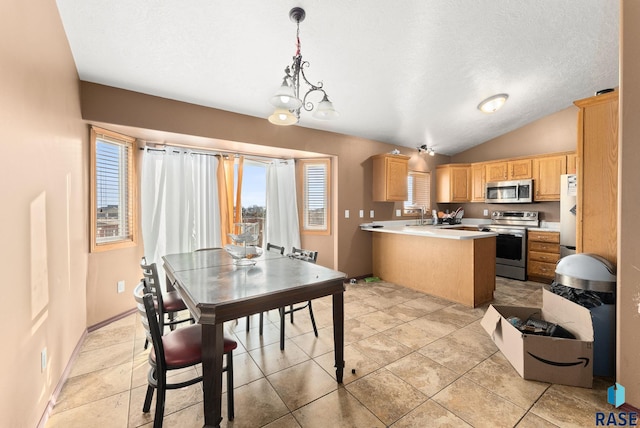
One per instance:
(546, 175)
(572, 163)
(478, 181)
(390, 174)
(598, 176)
(543, 252)
(508, 170)
(453, 183)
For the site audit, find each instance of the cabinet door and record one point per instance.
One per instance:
(397, 171)
(572, 162)
(460, 184)
(546, 175)
(452, 183)
(496, 171)
(478, 182)
(598, 176)
(519, 170)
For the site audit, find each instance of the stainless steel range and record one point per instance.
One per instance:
(511, 242)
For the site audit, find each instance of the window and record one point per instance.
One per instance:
(112, 190)
(315, 196)
(419, 191)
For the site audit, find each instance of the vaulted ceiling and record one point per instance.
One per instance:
(403, 72)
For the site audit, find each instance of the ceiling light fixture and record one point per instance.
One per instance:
(287, 100)
(493, 104)
(429, 150)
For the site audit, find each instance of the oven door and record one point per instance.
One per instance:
(511, 248)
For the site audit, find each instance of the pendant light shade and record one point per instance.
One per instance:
(325, 110)
(285, 98)
(283, 117)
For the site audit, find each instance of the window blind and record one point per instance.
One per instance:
(315, 197)
(419, 190)
(112, 190)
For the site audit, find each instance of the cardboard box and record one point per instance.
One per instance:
(543, 358)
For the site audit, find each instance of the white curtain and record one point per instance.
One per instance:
(179, 203)
(282, 226)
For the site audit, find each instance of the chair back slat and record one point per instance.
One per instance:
(276, 248)
(149, 319)
(150, 273)
(306, 255)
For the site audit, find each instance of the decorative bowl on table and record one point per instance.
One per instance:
(243, 255)
(243, 250)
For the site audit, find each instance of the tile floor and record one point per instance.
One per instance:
(419, 361)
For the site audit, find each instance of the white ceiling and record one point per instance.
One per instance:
(404, 72)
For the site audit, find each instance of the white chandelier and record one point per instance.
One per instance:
(287, 101)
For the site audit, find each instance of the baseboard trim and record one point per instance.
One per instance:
(110, 320)
(65, 375)
(628, 408)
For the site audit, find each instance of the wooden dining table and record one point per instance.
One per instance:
(215, 290)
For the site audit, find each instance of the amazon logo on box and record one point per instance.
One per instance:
(544, 358)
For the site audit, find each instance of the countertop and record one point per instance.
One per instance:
(439, 231)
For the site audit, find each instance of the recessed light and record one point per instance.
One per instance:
(493, 104)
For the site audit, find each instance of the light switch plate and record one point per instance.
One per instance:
(486, 212)
(346, 213)
(398, 213)
(121, 286)
(371, 214)
(361, 213)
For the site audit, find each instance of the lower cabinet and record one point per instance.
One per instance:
(543, 252)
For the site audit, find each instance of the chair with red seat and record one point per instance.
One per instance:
(168, 304)
(177, 349)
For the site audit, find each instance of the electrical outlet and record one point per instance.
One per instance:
(121, 286)
(486, 212)
(43, 359)
(371, 214)
(361, 213)
(398, 213)
(346, 213)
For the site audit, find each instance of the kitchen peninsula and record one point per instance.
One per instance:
(443, 261)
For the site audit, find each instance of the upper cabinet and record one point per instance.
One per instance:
(598, 175)
(572, 163)
(453, 183)
(390, 174)
(508, 170)
(478, 182)
(546, 175)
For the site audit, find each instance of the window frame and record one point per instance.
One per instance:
(132, 212)
(412, 212)
(302, 164)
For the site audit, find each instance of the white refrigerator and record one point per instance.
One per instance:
(568, 193)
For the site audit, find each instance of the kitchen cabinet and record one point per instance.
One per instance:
(598, 176)
(478, 182)
(572, 163)
(453, 183)
(508, 170)
(543, 252)
(390, 174)
(546, 175)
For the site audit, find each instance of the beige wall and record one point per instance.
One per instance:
(628, 319)
(350, 249)
(44, 200)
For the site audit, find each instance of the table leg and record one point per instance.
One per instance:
(212, 353)
(338, 333)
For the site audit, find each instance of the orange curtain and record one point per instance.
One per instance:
(229, 215)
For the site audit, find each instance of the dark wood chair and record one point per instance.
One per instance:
(176, 350)
(307, 256)
(270, 247)
(167, 304)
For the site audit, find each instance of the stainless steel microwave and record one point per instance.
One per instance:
(509, 192)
